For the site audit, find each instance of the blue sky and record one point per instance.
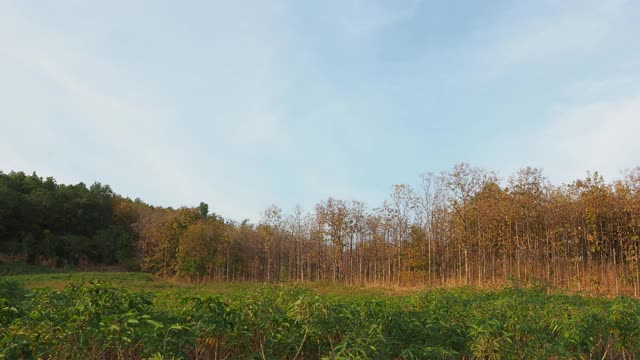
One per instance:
(243, 104)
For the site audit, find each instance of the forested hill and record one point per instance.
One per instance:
(54, 224)
(464, 226)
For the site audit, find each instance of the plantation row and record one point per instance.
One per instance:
(97, 321)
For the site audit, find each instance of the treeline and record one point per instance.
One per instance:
(464, 226)
(56, 225)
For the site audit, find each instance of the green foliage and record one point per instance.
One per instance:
(96, 320)
(17, 268)
(203, 209)
(11, 290)
(45, 222)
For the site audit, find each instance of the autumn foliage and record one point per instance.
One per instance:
(465, 226)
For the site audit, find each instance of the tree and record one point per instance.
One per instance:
(270, 227)
(203, 208)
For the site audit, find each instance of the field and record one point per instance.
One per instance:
(135, 315)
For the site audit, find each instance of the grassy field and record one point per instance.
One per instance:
(135, 315)
(170, 292)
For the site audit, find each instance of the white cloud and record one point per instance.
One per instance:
(70, 114)
(622, 82)
(600, 136)
(361, 20)
(237, 104)
(528, 35)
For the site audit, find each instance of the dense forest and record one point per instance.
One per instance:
(464, 226)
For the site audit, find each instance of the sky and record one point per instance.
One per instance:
(244, 104)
